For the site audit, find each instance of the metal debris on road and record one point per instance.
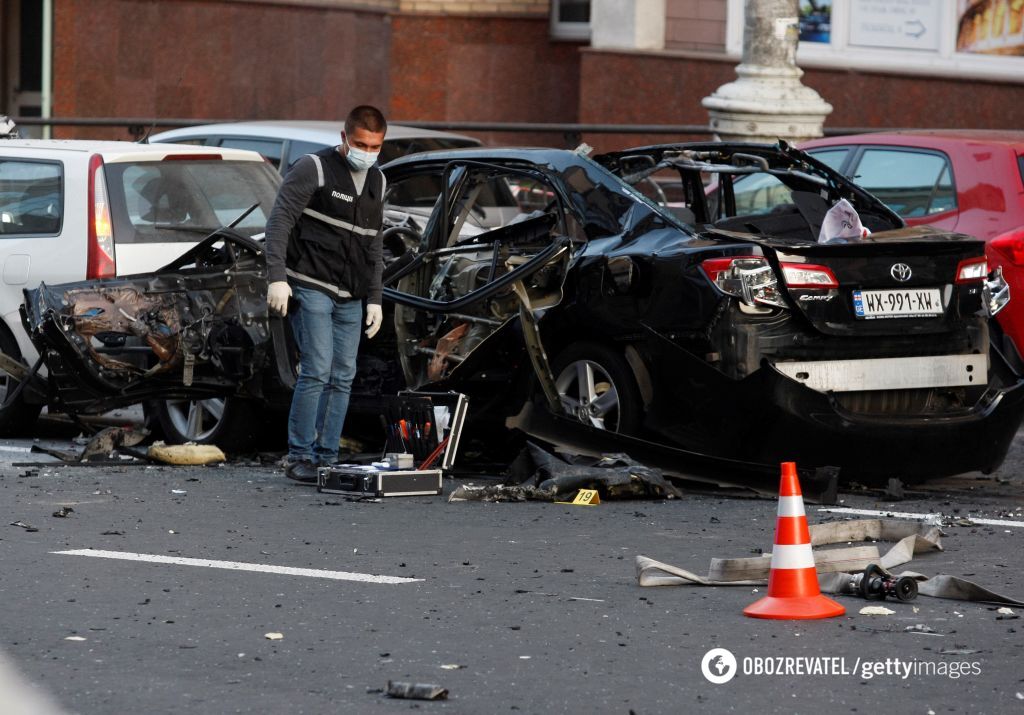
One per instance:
(416, 691)
(538, 475)
(23, 525)
(836, 565)
(63, 512)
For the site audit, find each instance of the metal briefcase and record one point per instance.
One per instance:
(382, 483)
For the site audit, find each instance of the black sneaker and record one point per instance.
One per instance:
(303, 471)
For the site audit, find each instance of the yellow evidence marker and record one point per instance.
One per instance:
(585, 497)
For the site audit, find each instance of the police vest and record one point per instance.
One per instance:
(330, 247)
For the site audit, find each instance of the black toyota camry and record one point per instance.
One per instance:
(680, 302)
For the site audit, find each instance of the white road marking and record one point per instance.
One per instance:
(237, 566)
(911, 515)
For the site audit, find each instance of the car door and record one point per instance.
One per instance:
(42, 230)
(918, 184)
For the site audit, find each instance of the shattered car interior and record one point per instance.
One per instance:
(670, 302)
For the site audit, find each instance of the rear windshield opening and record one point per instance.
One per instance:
(183, 201)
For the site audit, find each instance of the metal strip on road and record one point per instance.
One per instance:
(237, 566)
(911, 515)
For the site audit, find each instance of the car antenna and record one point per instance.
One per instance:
(144, 139)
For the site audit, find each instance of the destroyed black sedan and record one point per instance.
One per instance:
(673, 302)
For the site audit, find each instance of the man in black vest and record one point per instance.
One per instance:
(324, 248)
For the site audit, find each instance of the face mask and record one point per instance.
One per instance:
(360, 160)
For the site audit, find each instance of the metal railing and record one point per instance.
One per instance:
(139, 127)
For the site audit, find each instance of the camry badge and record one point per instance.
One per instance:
(901, 272)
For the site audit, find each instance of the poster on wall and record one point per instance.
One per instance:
(990, 27)
(816, 21)
(897, 24)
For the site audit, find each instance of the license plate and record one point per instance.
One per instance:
(908, 303)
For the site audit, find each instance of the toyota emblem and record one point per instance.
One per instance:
(901, 272)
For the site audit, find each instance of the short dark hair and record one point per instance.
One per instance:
(366, 117)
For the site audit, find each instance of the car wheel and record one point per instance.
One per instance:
(596, 386)
(228, 422)
(19, 417)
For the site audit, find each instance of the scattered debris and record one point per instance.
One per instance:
(186, 454)
(836, 565)
(23, 525)
(1005, 611)
(894, 490)
(63, 512)
(106, 441)
(112, 532)
(876, 611)
(921, 628)
(273, 636)
(178, 491)
(416, 691)
(452, 666)
(77, 639)
(959, 651)
(538, 475)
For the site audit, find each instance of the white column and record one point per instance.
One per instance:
(767, 101)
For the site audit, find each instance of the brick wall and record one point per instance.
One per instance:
(695, 25)
(662, 88)
(482, 69)
(215, 59)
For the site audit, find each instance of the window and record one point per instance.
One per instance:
(570, 19)
(832, 158)
(183, 201)
(31, 198)
(270, 148)
(911, 183)
(297, 150)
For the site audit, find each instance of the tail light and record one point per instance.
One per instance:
(748, 278)
(101, 260)
(751, 278)
(972, 270)
(806, 275)
(1010, 245)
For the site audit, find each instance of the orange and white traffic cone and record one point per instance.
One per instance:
(793, 592)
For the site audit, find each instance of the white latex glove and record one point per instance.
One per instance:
(374, 317)
(278, 294)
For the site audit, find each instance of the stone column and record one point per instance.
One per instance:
(767, 101)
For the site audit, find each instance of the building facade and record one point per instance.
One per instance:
(880, 63)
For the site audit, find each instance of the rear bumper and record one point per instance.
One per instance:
(811, 428)
(770, 417)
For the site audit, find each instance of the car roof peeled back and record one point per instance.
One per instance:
(121, 151)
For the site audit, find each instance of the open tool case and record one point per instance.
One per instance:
(427, 425)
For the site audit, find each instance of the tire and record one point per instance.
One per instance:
(231, 423)
(19, 417)
(610, 399)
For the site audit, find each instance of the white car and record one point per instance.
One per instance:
(75, 210)
(284, 141)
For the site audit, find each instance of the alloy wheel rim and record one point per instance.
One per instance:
(588, 394)
(196, 419)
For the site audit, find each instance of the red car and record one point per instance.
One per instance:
(968, 181)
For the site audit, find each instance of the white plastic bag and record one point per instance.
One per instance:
(842, 225)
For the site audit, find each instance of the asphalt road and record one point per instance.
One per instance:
(525, 607)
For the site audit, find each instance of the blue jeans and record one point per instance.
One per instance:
(327, 333)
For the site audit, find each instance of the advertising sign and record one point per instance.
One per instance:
(897, 24)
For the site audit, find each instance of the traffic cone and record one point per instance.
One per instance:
(793, 592)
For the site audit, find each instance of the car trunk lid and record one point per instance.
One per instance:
(916, 280)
